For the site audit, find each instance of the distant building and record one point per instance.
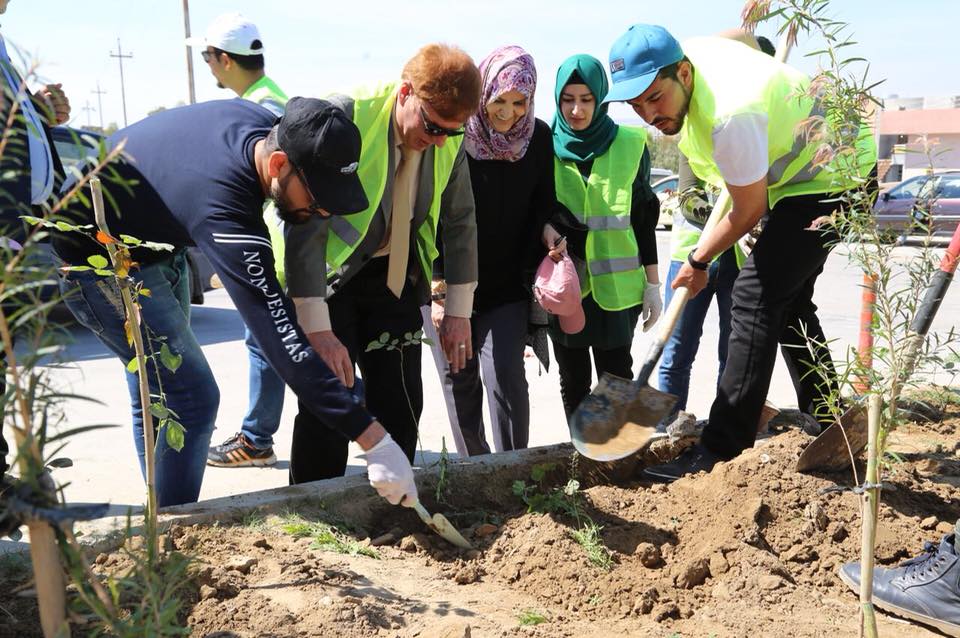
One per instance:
(904, 122)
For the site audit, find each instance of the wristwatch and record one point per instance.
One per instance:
(696, 265)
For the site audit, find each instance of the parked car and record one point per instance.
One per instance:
(665, 189)
(75, 146)
(920, 205)
(657, 174)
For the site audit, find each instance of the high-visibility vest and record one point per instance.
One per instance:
(730, 78)
(373, 115)
(684, 237)
(615, 276)
(267, 94)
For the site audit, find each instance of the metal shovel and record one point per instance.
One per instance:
(841, 442)
(443, 527)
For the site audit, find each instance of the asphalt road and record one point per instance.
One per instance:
(105, 467)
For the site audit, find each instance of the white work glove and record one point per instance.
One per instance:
(652, 305)
(390, 473)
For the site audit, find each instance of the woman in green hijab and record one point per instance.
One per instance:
(608, 214)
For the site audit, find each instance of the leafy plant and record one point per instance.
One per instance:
(530, 618)
(443, 472)
(588, 536)
(897, 357)
(390, 343)
(326, 537)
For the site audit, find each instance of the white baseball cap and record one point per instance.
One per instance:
(230, 32)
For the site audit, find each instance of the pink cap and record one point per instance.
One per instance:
(557, 288)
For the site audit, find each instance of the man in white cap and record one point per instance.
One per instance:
(233, 50)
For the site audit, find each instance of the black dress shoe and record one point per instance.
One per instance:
(695, 459)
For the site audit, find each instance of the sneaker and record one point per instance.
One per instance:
(924, 589)
(694, 459)
(237, 451)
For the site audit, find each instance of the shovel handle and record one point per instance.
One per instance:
(677, 303)
(938, 287)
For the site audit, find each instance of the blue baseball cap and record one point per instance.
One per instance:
(636, 58)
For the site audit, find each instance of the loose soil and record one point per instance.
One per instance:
(751, 549)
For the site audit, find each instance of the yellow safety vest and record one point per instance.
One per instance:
(615, 276)
(730, 78)
(373, 115)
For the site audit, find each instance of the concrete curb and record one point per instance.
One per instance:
(487, 480)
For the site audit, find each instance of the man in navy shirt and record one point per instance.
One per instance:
(202, 174)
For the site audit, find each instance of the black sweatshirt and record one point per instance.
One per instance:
(513, 202)
(197, 186)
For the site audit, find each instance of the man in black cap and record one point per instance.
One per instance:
(199, 176)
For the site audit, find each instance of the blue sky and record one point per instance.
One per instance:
(314, 48)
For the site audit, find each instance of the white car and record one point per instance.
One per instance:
(665, 189)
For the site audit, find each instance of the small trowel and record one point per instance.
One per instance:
(443, 527)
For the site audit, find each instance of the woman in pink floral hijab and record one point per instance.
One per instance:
(510, 155)
(503, 127)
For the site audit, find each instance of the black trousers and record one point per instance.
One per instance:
(360, 311)
(575, 373)
(773, 304)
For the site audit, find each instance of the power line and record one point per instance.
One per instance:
(123, 93)
(88, 108)
(99, 103)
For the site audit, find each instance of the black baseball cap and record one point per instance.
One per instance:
(321, 141)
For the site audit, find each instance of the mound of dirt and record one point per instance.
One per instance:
(750, 549)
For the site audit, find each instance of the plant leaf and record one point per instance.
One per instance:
(170, 360)
(98, 261)
(174, 434)
(133, 365)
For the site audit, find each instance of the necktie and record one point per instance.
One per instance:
(403, 189)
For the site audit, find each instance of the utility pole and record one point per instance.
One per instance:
(99, 103)
(123, 93)
(186, 34)
(87, 108)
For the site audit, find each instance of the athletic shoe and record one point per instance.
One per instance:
(237, 451)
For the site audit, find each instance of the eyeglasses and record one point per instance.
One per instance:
(435, 129)
(313, 206)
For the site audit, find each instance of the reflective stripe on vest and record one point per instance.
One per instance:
(730, 78)
(373, 115)
(615, 276)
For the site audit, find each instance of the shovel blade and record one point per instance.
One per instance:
(618, 418)
(443, 527)
(439, 524)
(829, 452)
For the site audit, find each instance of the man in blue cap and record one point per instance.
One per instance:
(738, 112)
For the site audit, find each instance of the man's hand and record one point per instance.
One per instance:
(58, 102)
(555, 242)
(691, 278)
(388, 468)
(326, 344)
(457, 341)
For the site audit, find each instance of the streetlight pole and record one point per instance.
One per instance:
(123, 93)
(99, 103)
(186, 33)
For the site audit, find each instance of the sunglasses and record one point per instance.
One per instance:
(207, 55)
(435, 129)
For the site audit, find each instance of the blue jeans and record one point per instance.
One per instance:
(191, 392)
(266, 398)
(681, 349)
